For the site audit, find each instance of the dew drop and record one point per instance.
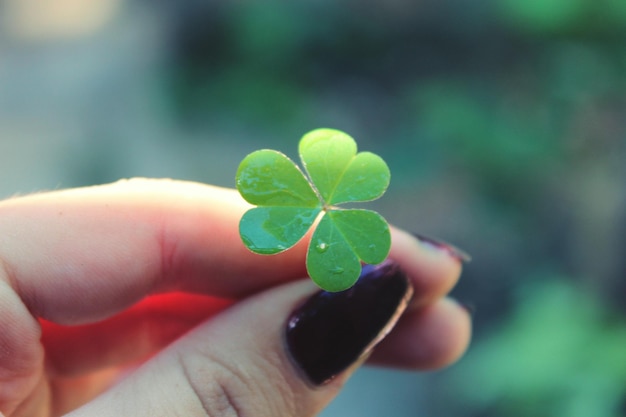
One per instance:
(337, 270)
(321, 247)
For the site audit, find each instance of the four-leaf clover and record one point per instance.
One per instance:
(289, 203)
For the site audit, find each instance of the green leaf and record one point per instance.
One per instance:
(365, 231)
(331, 261)
(325, 154)
(269, 178)
(339, 173)
(341, 240)
(270, 230)
(288, 205)
(365, 179)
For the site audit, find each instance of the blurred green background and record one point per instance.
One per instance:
(503, 122)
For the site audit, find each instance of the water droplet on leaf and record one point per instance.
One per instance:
(337, 270)
(321, 247)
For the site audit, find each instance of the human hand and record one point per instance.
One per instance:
(138, 298)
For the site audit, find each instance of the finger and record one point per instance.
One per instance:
(269, 355)
(21, 355)
(78, 256)
(431, 337)
(435, 331)
(81, 255)
(433, 270)
(158, 320)
(155, 322)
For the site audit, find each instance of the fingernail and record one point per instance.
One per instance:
(455, 252)
(331, 331)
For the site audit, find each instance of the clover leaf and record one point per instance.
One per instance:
(289, 203)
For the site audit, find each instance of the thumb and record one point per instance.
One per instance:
(283, 352)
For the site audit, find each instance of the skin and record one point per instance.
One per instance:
(138, 298)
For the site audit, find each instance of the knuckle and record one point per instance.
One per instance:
(227, 389)
(215, 387)
(222, 398)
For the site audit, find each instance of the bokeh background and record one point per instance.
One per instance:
(503, 122)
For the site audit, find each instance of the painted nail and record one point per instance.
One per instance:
(451, 250)
(331, 331)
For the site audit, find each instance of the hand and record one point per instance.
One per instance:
(138, 299)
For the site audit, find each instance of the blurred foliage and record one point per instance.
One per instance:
(495, 141)
(496, 99)
(559, 354)
(502, 121)
(605, 17)
(503, 125)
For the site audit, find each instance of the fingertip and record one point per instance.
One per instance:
(452, 328)
(430, 338)
(433, 270)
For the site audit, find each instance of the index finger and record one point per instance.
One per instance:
(80, 255)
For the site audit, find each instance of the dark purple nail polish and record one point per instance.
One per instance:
(331, 331)
(452, 250)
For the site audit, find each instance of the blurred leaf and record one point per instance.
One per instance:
(580, 73)
(545, 15)
(559, 354)
(266, 33)
(509, 148)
